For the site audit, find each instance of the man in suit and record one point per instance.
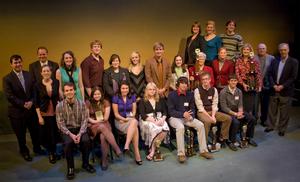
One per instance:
(158, 70)
(282, 75)
(18, 89)
(35, 67)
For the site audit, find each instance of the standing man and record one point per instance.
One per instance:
(92, 68)
(231, 101)
(35, 67)
(206, 99)
(282, 74)
(263, 98)
(232, 41)
(158, 70)
(181, 107)
(18, 89)
(72, 118)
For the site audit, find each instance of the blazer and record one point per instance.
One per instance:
(191, 46)
(35, 70)
(16, 95)
(108, 83)
(221, 76)
(287, 78)
(145, 108)
(41, 97)
(152, 72)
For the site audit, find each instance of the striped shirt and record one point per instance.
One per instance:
(71, 116)
(233, 44)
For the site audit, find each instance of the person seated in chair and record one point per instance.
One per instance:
(181, 108)
(72, 118)
(124, 107)
(153, 123)
(231, 101)
(99, 110)
(206, 99)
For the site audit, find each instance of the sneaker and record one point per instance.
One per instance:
(181, 158)
(206, 155)
(70, 174)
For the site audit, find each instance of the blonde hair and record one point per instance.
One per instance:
(210, 22)
(139, 64)
(146, 94)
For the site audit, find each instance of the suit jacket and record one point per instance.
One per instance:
(35, 70)
(191, 46)
(152, 72)
(221, 76)
(16, 95)
(287, 78)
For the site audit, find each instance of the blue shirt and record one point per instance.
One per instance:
(124, 108)
(211, 48)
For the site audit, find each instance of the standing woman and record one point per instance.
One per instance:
(212, 43)
(195, 71)
(153, 125)
(249, 76)
(113, 76)
(124, 107)
(137, 75)
(178, 69)
(99, 110)
(193, 42)
(46, 97)
(69, 72)
(222, 68)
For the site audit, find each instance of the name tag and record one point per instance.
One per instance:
(186, 104)
(210, 97)
(236, 98)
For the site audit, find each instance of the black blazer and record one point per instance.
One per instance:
(35, 70)
(16, 95)
(41, 98)
(145, 108)
(108, 83)
(190, 55)
(288, 76)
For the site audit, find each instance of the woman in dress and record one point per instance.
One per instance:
(137, 75)
(46, 97)
(69, 72)
(99, 110)
(178, 69)
(153, 125)
(193, 42)
(222, 68)
(249, 77)
(212, 43)
(196, 71)
(124, 107)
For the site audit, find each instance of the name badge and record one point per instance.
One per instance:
(186, 104)
(236, 98)
(209, 97)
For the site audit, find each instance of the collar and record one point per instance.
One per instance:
(231, 90)
(179, 93)
(17, 73)
(284, 60)
(206, 88)
(45, 63)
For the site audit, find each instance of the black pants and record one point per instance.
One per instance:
(49, 133)
(237, 124)
(20, 125)
(69, 145)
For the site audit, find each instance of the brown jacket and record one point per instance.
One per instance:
(152, 73)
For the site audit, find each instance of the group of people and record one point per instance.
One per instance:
(216, 83)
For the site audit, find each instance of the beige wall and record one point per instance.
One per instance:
(124, 26)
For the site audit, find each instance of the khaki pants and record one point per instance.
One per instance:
(220, 117)
(178, 124)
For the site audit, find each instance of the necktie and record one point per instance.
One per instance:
(21, 78)
(160, 74)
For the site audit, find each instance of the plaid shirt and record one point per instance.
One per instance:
(71, 116)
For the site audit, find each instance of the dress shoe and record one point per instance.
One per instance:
(232, 146)
(281, 133)
(70, 174)
(89, 168)
(267, 130)
(27, 157)
(252, 142)
(139, 162)
(52, 158)
(206, 155)
(181, 158)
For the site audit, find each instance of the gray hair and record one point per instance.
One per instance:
(280, 46)
(201, 54)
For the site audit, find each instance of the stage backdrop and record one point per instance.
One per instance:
(127, 25)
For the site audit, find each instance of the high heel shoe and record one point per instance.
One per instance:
(139, 162)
